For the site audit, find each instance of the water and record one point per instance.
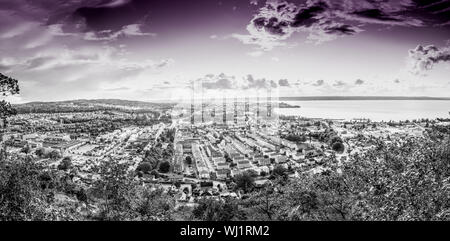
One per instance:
(376, 110)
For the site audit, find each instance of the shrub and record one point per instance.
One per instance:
(144, 167)
(338, 147)
(65, 164)
(164, 167)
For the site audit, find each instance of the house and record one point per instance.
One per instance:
(223, 165)
(223, 173)
(244, 164)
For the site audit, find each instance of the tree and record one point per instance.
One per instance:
(21, 197)
(54, 154)
(144, 167)
(217, 210)
(164, 167)
(152, 205)
(66, 164)
(279, 172)
(338, 147)
(404, 180)
(40, 152)
(155, 173)
(264, 204)
(188, 160)
(335, 139)
(26, 149)
(244, 181)
(8, 86)
(113, 188)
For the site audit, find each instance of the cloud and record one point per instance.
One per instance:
(255, 53)
(226, 82)
(78, 73)
(109, 35)
(397, 81)
(359, 82)
(18, 30)
(423, 58)
(319, 82)
(283, 82)
(269, 26)
(251, 83)
(324, 20)
(254, 2)
(220, 81)
(117, 89)
(339, 83)
(114, 3)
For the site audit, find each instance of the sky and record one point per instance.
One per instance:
(158, 49)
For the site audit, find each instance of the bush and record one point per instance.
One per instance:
(244, 181)
(338, 147)
(279, 172)
(214, 210)
(164, 167)
(54, 154)
(188, 160)
(144, 167)
(335, 139)
(65, 164)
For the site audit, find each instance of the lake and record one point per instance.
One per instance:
(376, 110)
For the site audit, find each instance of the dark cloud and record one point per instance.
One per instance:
(375, 14)
(273, 25)
(326, 20)
(111, 15)
(308, 15)
(397, 81)
(283, 82)
(359, 82)
(423, 58)
(319, 82)
(343, 29)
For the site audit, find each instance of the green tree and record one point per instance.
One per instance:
(113, 191)
(217, 210)
(164, 167)
(244, 181)
(338, 147)
(21, 197)
(66, 164)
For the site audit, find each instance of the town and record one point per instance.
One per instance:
(192, 158)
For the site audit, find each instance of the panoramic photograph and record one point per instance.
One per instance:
(225, 110)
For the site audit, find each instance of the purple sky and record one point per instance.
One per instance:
(147, 50)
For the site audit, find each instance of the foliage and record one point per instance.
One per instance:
(338, 147)
(405, 180)
(123, 198)
(244, 181)
(21, 197)
(279, 172)
(164, 167)
(66, 164)
(217, 210)
(144, 167)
